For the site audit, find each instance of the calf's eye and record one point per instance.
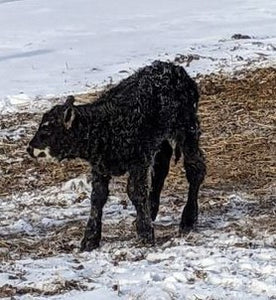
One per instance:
(45, 133)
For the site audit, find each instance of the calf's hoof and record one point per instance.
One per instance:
(146, 238)
(88, 245)
(184, 229)
(188, 222)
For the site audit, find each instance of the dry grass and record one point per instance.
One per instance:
(9, 291)
(238, 123)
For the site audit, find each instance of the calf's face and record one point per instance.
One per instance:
(53, 139)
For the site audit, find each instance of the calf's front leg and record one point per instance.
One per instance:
(138, 190)
(99, 195)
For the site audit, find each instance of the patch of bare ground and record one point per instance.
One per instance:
(238, 137)
(60, 287)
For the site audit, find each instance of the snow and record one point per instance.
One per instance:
(180, 272)
(59, 47)
(215, 266)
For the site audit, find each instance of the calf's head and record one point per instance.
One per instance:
(54, 137)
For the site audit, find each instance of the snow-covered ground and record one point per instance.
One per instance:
(213, 263)
(56, 47)
(51, 48)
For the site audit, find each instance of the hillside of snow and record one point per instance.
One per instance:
(56, 47)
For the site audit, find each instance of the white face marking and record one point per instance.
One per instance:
(172, 143)
(46, 152)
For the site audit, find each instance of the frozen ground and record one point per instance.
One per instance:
(215, 262)
(50, 48)
(55, 47)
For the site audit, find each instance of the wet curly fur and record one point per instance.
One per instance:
(131, 129)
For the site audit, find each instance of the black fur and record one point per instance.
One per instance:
(130, 129)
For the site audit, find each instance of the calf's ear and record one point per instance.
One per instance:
(69, 101)
(69, 113)
(68, 117)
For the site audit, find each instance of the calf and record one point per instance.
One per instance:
(130, 129)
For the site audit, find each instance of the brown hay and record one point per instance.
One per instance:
(238, 124)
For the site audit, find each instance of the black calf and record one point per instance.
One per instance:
(129, 129)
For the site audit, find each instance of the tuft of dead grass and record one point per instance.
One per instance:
(61, 287)
(238, 123)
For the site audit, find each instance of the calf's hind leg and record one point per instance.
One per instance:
(160, 171)
(138, 191)
(92, 234)
(195, 173)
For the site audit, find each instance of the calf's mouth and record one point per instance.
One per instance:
(40, 153)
